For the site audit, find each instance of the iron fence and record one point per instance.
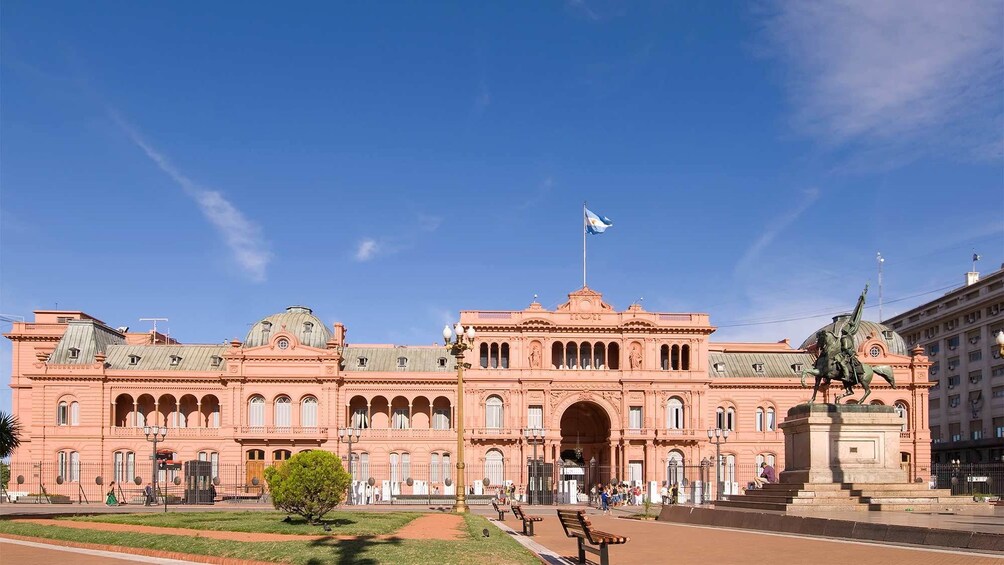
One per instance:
(969, 479)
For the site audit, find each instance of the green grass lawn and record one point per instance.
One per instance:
(498, 549)
(342, 523)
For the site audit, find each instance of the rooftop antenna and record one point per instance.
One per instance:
(154, 320)
(880, 259)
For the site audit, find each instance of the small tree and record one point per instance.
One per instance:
(309, 484)
(10, 434)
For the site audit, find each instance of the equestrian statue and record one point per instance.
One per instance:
(838, 359)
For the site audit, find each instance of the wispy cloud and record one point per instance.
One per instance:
(542, 191)
(895, 75)
(241, 235)
(775, 228)
(367, 249)
(580, 7)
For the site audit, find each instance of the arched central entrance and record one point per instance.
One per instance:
(585, 444)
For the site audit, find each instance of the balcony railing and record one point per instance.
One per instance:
(493, 433)
(417, 433)
(128, 431)
(670, 433)
(281, 431)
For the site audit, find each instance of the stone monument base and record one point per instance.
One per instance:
(842, 443)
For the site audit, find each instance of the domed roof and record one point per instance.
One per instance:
(297, 320)
(894, 342)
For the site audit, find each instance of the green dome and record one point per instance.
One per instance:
(297, 320)
(894, 342)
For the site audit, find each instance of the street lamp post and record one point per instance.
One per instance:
(592, 475)
(1000, 343)
(533, 436)
(350, 435)
(457, 342)
(155, 434)
(718, 436)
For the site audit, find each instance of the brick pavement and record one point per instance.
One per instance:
(661, 542)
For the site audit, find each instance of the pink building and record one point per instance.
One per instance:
(614, 394)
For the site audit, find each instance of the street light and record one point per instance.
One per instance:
(457, 342)
(534, 436)
(718, 436)
(592, 474)
(155, 434)
(1000, 343)
(350, 435)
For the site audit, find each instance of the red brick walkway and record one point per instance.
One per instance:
(660, 542)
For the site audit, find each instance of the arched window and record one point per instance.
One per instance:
(283, 412)
(308, 412)
(256, 411)
(494, 356)
(664, 357)
(63, 414)
(674, 469)
(674, 414)
(902, 412)
(767, 458)
(771, 419)
(571, 354)
(68, 465)
(400, 466)
(434, 468)
(124, 466)
(585, 355)
(214, 460)
(557, 356)
(614, 357)
(505, 355)
(720, 418)
(600, 355)
(730, 419)
(74, 413)
(494, 466)
(685, 358)
(484, 355)
(759, 419)
(493, 413)
(281, 455)
(447, 467)
(674, 362)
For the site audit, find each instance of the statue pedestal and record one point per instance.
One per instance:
(842, 443)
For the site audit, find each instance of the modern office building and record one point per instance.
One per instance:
(957, 332)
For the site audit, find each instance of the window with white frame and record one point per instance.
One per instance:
(214, 418)
(400, 419)
(434, 469)
(256, 411)
(395, 467)
(405, 466)
(68, 465)
(74, 413)
(447, 467)
(124, 466)
(720, 418)
(308, 412)
(494, 467)
(759, 421)
(360, 419)
(730, 419)
(771, 419)
(901, 411)
(674, 414)
(441, 419)
(63, 413)
(214, 461)
(634, 418)
(674, 468)
(283, 412)
(493, 413)
(535, 417)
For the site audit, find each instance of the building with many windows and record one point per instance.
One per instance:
(957, 332)
(581, 392)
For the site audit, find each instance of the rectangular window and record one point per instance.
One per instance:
(998, 392)
(360, 419)
(400, 419)
(214, 460)
(936, 434)
(434, 468)
(635, 423)
(953, 401)
(771, 420)
(997, 371)
(976, 429)
(934, 404)
(976, 355)
(954, 380)
(535, 417)
(62, 414)
(118, 467)
(395, 467)
(953, 362)
(441, 419)
(953, 342)
(405, 465)
(999, 427)
(955, 431)
(975, 377)
(447, 467)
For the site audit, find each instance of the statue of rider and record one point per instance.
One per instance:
(847, 359)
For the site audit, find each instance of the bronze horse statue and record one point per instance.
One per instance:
(828, 367)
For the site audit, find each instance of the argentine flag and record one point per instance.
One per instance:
(596, 224)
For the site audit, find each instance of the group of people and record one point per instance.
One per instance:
(612, 495)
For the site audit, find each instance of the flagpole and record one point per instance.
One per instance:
(583, 244)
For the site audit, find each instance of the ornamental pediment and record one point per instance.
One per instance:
(585, 300)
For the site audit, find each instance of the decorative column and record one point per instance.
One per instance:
(135, 413)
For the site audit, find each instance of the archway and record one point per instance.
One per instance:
(585, 444)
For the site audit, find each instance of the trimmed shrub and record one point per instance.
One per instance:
(309, 484)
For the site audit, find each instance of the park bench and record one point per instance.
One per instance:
(501, 511)
(517, 512)
(576, 525)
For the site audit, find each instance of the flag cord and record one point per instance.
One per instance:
(583, 244)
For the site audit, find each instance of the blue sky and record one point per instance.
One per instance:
(389, 164)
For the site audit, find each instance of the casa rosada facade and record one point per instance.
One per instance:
(614, 394)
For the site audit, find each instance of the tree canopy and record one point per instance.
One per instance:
(309, 484)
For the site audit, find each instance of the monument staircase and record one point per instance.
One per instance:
(817, 497)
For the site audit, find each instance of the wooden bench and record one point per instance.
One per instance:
(517, 512)
(576, 525)
(501, 511)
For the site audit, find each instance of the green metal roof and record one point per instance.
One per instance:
(385, 359)
(88, 337)
(743, 364)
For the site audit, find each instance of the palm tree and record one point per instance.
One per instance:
(10, 434)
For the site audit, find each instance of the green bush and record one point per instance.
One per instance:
(309, 484)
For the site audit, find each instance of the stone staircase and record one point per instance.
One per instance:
(815, 498)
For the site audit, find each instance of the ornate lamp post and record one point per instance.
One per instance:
(534, 436)
(1000, 343)
(155, 434)
(592, 474)
(718, 436)
(350, 435)
(457, 342)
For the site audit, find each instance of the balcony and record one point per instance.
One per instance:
(408, 433)
(280, 432)
(674, 434)
(492, 433)
(131, 432)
